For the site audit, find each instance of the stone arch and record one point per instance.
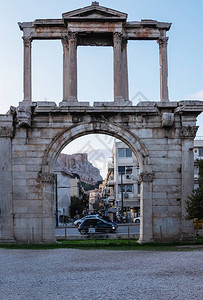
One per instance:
(128, 137)
(101, 127)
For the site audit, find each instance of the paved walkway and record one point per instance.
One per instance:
(71, 274)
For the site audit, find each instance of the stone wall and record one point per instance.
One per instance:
(160, 134)
(6, 185)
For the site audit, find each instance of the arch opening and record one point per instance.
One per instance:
(81, 191)
(124, 135)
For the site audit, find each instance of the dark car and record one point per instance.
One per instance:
(107, 219)
(96, 225)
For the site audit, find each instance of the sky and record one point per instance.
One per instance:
(95, 64)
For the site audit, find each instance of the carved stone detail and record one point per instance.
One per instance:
(47, 177)
(5, 132)
(188, 131)
(64, 41)
(72, 37)
(24, 116)
(146, 177)
(163, 41)
(117, 37)
(167, 119)
(124, 40)
(27, 41)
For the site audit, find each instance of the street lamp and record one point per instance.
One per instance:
(122, 195)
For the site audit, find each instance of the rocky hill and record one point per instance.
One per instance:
(78, 164)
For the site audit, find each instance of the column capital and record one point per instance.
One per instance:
(163, 41)
(146, 177)
(64, 41)
(72, 36)
(27, 41)
(117, 36)
(188, 131)
(124, 40)
(47, 177)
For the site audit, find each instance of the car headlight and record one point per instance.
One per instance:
(113, 227)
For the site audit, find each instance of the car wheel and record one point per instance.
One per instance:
(82, 231)
(137, 221)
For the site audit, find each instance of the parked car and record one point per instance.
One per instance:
(136, 220)
(97, 225)
(107, 219)
(79, 221)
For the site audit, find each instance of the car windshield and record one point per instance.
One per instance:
(90, 216)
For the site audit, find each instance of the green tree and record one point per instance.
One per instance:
(194, 204)
(76, 205)
(79, 204)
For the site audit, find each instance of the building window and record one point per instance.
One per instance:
(201, 152)
(138, 171)
(126, 170)
(121, 169)
(127, 188)
(124, 152)
(138, 188)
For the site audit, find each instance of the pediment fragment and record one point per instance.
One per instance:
(94, 12)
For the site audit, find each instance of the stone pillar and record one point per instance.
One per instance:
(146, 234)
(6, 182)
(27, 69)
(117, 42)
(65, 69)
(187, 134)
(163, 69)
(125, 70)
(48, 217)
(72, 67)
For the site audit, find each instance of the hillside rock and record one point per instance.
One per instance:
(78, 164)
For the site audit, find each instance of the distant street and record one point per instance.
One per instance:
(122, 229)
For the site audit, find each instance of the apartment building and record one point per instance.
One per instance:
(121, 186)
(198, 154)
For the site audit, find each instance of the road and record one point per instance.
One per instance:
(122, 229)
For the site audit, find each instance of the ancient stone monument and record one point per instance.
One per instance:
(33, 134)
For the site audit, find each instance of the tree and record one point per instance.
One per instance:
(76, 205)
(194, 204)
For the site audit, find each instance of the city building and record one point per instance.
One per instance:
(198, 154)
(126, 183)
(121, 189)
(94, 200)
(67, 185)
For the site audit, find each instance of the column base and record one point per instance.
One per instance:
(122, 102)
(165, 100)
(7, 241)
(145, 240)
(72, 98)
(113, 103)
(66, 103)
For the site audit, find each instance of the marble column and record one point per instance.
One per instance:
(65, 69)
(72, 67)
(125, 92)
(27, 69)
(163, 69)
(117, 44)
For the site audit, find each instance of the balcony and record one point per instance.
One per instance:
(110, 167)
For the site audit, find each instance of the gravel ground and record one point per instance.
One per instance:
(99, 274)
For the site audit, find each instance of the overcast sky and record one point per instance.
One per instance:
(95, 64)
